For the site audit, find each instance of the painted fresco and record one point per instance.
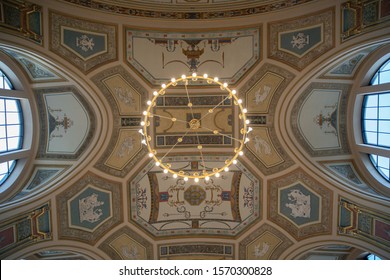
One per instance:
(36, 70)
(160, 56)
(360, 222)
(126, 244)
(85, 44)
(360, 17)
(261, 146)
(299, 41)
(167, 206)
(300, 204)
(26, 229)
(262, 247)
(348, 66)
(318, 119)
(167, 132)
(68, 123)
(90, 208)
(127, 146)
(196, 251)
(127, 98)
(128, 248)
(258, 98)
(22, 18)
(264, 243)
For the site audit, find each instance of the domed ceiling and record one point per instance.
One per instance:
(91, 190)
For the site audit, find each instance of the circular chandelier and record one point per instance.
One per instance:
(193, 126)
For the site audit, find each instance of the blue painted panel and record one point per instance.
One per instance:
(83, 43)
(299, 42)
(90, 208)
(299, 204)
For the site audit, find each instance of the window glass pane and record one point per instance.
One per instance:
(11, 105)
(384, 139)
(2, 118)
(371, 113)
(12, 118)
(384, 99)
(2, 102)
(13, 130)
(383, 162)
(384, 172)
(371, 100)
(3, 145)
(2, 131)
(371, 138)
(384, 126)
(384, 78)
(3, 167)
(370, 125)
(13, 143)
(384, 113)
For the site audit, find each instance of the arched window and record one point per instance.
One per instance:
(376, 122)
(11, 128)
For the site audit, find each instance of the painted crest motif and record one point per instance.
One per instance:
(85, 43)
(87, 209)
(300, 204)
(300, 40)
(261, 249)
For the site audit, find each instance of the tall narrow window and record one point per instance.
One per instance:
(11, 128)
(376, 121)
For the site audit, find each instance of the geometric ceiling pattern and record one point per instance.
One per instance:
(87, 189)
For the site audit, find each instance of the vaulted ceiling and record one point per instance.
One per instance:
(88, 190)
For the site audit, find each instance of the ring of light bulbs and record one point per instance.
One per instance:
(204, 174)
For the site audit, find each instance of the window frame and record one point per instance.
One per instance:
(22, 92)
(360, 150)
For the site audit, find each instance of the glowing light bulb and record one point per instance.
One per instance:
(241, 153)
(157, 163)
(247, 121)
(225, 84)
(173, 80)
(196, 180)
(235, 161)
(239, 101)
(149, 102)
(207, 178)
(217, 175)
(216, 79)
(140, 131)
(245, 110)
(142, 123)
(150, 154)
(194, 74)
(246, 140)
(144, 113)
(183, 76)
(205, 76)
(154, 93)
(186, 179)
(143, 141)
(165, 171)
(234, 91)
(226, 169)
(250, 129)
(175, 175)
